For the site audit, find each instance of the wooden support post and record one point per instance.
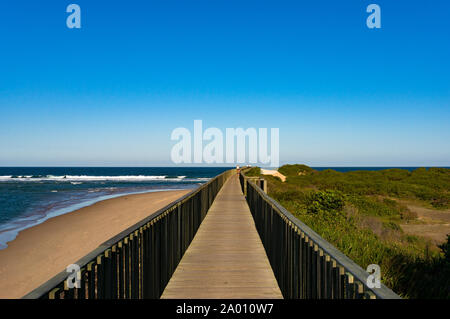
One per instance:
(91, 280)
(68, 292)
(100, 284)
(54, 293)
(263, 185)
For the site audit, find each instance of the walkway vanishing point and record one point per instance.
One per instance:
(226, 258)
(216, 243)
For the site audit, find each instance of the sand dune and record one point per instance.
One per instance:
(273, 173)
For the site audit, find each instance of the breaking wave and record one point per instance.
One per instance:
(87, 178)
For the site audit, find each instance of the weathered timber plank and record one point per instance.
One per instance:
(226, 258)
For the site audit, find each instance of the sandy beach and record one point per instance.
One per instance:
(42, 251)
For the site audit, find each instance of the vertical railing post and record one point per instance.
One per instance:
(108, 278)
(91, 280)
(121, 270)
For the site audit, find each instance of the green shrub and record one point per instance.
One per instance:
(292, 195)
(412, 239)
(327, 204)
(295, 170)
(432, 185)
(373, 207)
(252, 172)
(393, 226)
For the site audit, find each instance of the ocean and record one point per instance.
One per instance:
(31, 195)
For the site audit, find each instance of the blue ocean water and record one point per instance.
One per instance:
(31, 195)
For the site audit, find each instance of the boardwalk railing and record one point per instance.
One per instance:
(138, 262)
(305, 265)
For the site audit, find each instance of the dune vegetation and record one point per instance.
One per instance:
(362, 213)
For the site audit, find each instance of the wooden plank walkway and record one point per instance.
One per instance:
(226, 258)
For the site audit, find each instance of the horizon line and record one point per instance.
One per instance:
(218, 166)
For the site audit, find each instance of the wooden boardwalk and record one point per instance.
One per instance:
(226, 258)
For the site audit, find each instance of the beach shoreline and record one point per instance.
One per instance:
(40, 252)
(11, 231)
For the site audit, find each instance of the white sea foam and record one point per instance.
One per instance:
(89, 178)
(9, 231)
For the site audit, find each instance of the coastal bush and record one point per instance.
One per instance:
(404, 269)
(359, 213)
(417, 277)
(295, 170)
(253, 172)
(392, 225)
(322, 202)
(293, 195)
(431, 186)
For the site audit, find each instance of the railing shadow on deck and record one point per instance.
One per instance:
(138, 262)
(305, 265)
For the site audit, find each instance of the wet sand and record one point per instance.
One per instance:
(42, 251)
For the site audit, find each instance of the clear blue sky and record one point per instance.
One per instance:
(112, 92)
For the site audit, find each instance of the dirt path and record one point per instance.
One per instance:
(436, 223)
(436, 232)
